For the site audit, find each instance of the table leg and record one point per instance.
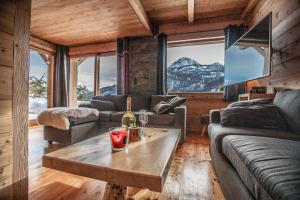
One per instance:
(115, 192)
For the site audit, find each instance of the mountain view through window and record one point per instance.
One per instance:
(196, 68)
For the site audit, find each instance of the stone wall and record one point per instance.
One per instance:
(143, 65)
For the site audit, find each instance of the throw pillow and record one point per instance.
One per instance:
(253, 102)
(103, 105)
(175, 102)
(162, 107)
(266, 116)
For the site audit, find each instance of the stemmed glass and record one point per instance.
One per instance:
(143, 117)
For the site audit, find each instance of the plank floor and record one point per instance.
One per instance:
(191, 175)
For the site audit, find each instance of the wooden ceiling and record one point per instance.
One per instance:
(77, 22)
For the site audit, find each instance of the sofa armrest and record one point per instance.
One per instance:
(214, 116)
(85, 104)
(180, 121)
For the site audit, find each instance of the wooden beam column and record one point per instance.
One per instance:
(141, 13)
(20, 99)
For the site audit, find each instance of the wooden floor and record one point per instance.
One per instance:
(191, 175)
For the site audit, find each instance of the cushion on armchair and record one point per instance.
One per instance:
(253, 117)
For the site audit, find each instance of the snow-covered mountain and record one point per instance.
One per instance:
(112, 89)
(187, 75)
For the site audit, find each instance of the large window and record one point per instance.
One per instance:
(196, 68)
(92, 76)
(85, 78)
(38, 82)
(108, 75)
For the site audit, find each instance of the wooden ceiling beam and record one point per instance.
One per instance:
(92, 49)
(141, 13)
(191, 11)
(249, 8)
(210, 24)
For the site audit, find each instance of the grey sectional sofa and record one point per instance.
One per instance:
(111, 114)
(258, 163)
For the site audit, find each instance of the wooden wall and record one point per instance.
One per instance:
(285, 71)
(199, 104)
(14, 55)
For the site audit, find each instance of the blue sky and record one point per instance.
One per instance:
(241, 65)
(37, 65)
(203, 54)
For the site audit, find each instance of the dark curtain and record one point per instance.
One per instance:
(162, 64)
(123, 66)
(232, 34)
(61, 77)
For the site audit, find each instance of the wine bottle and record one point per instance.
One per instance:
(128, 119)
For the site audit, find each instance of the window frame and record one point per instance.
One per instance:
(204, 41)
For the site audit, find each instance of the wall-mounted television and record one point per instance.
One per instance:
(249, 57)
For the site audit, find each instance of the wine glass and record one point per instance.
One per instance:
(143, 117)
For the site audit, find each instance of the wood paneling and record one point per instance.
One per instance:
(168, 11)
(59, 22)
(5, 123)
(7, 16)
(285, 71)
(93, 49)
(5, 107)
(5, 176)
(6, 49)
(84, 22)
(6, 76)
(199, 104)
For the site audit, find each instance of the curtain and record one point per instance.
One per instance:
(123, 66)
(162, 64)
(61, 77)
(232, 34)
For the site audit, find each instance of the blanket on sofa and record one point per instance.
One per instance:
(59, 117)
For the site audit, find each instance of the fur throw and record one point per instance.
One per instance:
(59, 117)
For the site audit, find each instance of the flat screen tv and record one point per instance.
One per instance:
(249, 57)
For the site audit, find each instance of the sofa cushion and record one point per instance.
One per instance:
(155, 99)
(117, 116)
(288, 102)
(103, 105)
(252, 102)
(267, 166)
(162, 107)
(253, 117)
(162, 120)
(83, 120)
(105, 116)
(140, 102)
(118, 100)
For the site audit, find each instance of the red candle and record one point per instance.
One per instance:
(119, 139)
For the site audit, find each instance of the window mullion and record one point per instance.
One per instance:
(97, 76)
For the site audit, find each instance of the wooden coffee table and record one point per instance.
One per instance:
(144, 165)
